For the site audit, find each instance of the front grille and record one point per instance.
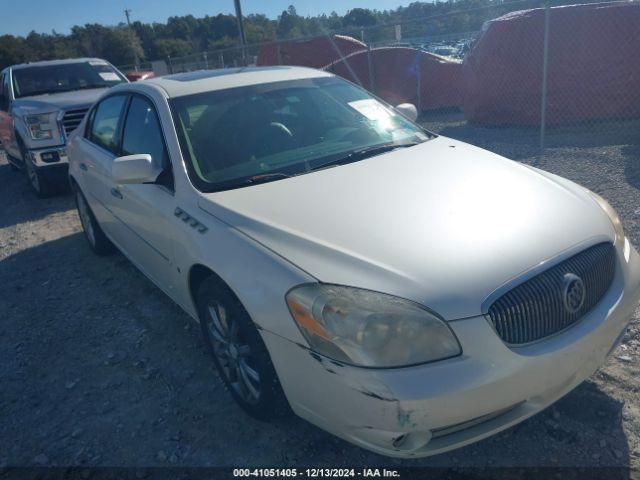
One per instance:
(72, 119)
(538, 307)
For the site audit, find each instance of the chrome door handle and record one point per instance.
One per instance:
(116, 193)
(83, 167)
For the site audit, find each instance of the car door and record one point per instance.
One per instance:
(97, 150)
(146, 210)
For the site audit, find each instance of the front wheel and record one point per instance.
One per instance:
(239, 354)
(37, 180)
(98, 241)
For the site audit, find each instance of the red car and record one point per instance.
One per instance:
(137, 75)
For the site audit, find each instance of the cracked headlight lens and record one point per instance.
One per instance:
(42, 126)
(369, 329)
(613, 216)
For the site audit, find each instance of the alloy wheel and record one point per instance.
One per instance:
(233, 354)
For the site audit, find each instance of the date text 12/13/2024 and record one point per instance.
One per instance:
(316, 472)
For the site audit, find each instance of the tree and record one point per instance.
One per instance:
(121, 46)
(173, 47)
(359, 17)
(183, 35)
(289, 23)
(12, 50)
(334, 21)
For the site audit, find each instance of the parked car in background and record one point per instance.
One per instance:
(137, 75)
(405, 291)
(447, 51)
(41, 103)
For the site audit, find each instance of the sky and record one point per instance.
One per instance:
(20, 17)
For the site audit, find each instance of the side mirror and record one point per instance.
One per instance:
(408, 110)
(134, 169)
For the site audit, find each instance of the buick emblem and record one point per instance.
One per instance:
(573, 292)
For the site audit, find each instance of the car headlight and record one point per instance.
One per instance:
(369, 329)
(613, 216)
(42, 126)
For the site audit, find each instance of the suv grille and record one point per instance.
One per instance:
(72, 119)
(542, 305)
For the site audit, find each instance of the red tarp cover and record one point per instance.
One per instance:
(593, 66)
(316, 52)
(395, 73)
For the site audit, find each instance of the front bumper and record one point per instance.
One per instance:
(429, 409)
(48, 157)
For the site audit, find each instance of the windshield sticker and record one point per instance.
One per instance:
(370, 108)
(109, 76)
(97, 62)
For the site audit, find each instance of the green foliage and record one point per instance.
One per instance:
(359, 17)
(187, 35)
(172, 47)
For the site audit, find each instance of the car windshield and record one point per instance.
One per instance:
(64, 77)
(266, 132)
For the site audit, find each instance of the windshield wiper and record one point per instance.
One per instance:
(365, 153)
(36, 93)
(351, 157)
(80, 87)
(266, 177)
(60, 90)
(87, 87)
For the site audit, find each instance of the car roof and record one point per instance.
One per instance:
(48, 63)
(189, 83)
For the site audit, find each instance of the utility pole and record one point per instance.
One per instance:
(240, 29)
(136, 60)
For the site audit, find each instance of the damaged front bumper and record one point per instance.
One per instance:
(429, 409)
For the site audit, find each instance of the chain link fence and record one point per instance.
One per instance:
(496, 75)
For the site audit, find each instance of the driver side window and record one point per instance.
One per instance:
(105, 121)
(142, 134)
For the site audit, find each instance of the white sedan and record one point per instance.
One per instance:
(405, 291)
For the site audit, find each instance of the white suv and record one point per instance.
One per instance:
(404, 291)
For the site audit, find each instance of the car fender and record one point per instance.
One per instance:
(260, 279)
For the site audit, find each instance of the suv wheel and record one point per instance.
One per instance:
(37, 180)
(11, 164)
(239, 354)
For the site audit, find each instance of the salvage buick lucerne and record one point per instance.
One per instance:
(405, 291)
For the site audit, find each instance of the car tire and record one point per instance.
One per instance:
(37, 180)
(15, 163)
(96, 238)
(238, 352)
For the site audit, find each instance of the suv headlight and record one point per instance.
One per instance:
(369, 329)
(42, 126)
(613, 216)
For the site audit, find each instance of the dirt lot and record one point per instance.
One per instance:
(98, 367)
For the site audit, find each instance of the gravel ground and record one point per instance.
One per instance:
(99, 368)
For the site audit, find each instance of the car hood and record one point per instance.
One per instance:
(443, 223)
(58, 101)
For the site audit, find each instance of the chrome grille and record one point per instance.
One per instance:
(536, 308)
(72, 119)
